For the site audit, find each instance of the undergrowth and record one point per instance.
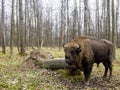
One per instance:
(11, 78)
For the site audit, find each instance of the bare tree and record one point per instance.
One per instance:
(108, 20)
(79, 19)
(21, 28)
(61, 36)
(85, 17)
(113, 29)
(75, 18)
(117, 20)
(97, 19)
(12, 29)
(3, 29)
(17, 32)
(68, 27)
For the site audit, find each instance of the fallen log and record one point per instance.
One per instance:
(45, 60)
(57, 63)
(40, 59)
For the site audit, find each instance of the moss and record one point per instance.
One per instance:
(3, 85)
(76, 78)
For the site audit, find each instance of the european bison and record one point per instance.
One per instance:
(83, 52)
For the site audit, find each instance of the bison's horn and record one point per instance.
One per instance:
(78, 49)
(79, 46)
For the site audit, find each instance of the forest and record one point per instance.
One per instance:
(34, 26)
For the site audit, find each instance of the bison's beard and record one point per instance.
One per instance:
(70, 62)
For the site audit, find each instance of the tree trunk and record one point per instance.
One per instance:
(68, 21)
(75, 18)
(108, 20)
(40, 59)
(97, 19)
(3, 29)
(21, 28)
(17, 28)
(113, 29)
(12, 29)
(79, 20)
(85, 17)
(117, 21)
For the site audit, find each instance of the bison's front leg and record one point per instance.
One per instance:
(87, 72)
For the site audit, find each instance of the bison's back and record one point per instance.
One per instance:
(102, 50)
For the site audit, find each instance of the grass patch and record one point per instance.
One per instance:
(118, 53)
(76, 78)
(55, 51)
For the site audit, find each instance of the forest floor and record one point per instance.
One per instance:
(12, 77)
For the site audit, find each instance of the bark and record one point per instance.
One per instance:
(61, 27)
(17, 28)
(113, 29)
(40, 59)
(68, 21)
(12, 29)
(57, 63)
(75, 18)
(97, 19)
(85, 17)
(79, 19)
(21, 28)
(117, 22)
(108, 20)
(3, 29)
(26, 8)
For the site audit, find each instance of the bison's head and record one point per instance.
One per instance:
(72, 51)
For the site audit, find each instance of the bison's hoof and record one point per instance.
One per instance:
(104, 77)
(86, 83)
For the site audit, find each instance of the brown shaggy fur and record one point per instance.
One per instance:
(85, 51)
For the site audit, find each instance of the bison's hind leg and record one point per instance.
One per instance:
(110, 67)
(106, 68)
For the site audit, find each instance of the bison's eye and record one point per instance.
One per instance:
(78, 51)
(73, 52)
(66, 57)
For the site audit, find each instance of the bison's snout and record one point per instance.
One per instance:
(68, 60)
(67, 57)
